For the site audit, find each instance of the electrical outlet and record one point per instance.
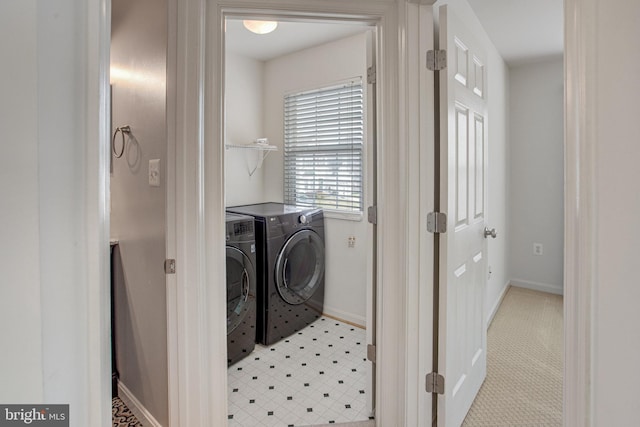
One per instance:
(352, 241)
(537, 249)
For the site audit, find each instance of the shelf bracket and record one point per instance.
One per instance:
(264, 150)
(263, 155)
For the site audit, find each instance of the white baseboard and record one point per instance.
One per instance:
(496, 305)
(542, 287)
(343, 315)
(141, 413)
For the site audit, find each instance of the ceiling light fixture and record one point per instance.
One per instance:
(260, 27)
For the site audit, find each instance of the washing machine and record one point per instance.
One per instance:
(290, 264)
(241, 286)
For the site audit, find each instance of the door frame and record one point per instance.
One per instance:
(200, 190)
(580, 18)
(194, 376)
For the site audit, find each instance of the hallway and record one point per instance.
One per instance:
(524, 363)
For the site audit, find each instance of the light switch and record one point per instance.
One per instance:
(154, 172)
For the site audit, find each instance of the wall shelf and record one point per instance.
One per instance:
(263, 149)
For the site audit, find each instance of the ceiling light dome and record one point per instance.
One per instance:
(260, 27)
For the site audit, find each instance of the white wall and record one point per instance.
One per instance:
(616, 316)
(138, 219)
(244, 124)
(536, 177)
(498, 142)
(49, 313)
(20, 358)
(345, 274)
(498, 169)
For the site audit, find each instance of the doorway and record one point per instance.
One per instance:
(548, 148)
(320, 372)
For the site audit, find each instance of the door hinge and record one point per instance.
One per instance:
(371, 353)
(372, 214)
(371, 75)
(435, 383)
(170, 266)
(436, 222)
(436, 60)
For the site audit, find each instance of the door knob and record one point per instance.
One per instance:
(490, 232)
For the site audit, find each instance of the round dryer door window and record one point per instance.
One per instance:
(240, 287)
(300, 267)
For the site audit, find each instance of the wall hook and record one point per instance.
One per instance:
(123, 130)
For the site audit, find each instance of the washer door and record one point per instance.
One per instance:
(241, 285)
(300, 267)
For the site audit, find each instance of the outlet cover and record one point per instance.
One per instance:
(537, 249)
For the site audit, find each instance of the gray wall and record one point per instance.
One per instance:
(138, 77)
(536, 178)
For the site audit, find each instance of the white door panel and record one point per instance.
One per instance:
(462, 335)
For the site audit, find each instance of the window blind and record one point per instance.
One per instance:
(323, 144)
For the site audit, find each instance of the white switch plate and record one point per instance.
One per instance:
(154, 172)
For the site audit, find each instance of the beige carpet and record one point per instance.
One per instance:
(524, 364)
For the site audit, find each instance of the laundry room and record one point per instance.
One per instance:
(281, 88)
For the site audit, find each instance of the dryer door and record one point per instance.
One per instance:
(300, 267)
(241, 285)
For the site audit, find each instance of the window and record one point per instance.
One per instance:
(323, 144)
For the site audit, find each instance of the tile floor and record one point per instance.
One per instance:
(317, 376)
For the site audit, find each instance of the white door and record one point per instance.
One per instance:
(463, 160)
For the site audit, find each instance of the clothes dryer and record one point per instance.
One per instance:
(241, 286)
(290, 264)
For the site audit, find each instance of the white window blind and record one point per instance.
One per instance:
(323, 143)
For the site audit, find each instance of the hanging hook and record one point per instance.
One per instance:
(123, 130)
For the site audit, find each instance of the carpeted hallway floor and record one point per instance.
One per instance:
(524, 364)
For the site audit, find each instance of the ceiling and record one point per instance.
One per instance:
(522, 30)
(287, 38)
